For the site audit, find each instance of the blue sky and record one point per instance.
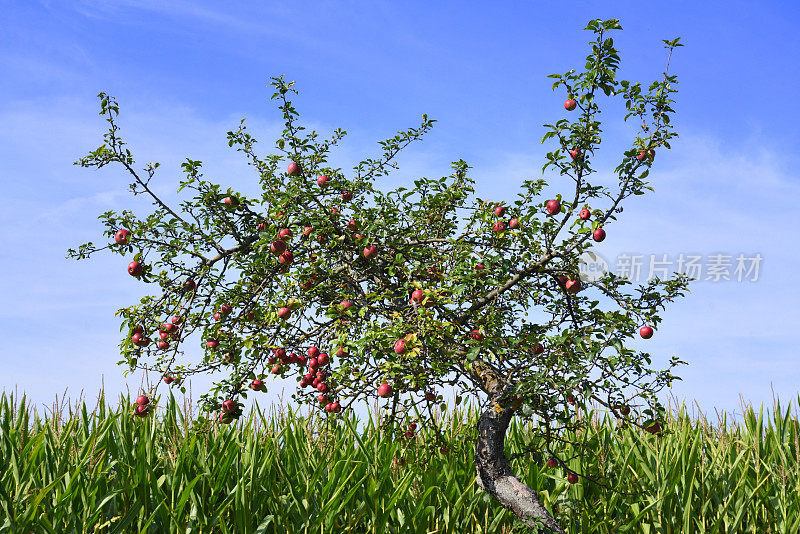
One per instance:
(185, 73)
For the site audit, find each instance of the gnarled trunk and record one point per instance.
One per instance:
(495, 475)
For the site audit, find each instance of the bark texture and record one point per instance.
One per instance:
(495, 475)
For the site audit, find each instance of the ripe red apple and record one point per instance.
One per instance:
(575, 153)
(280, 354)
(336, 407)
(122, 236)
(177, 319)
(538, 348)
(370, 251)
(342, 352)
(226, 418)
(625, 410)
(409, 434)
(322, 181)
(417, 295)
(230, 202)
(646, 332)
(585, 214)
(142, 400)
(163, 345)
(345, 305)
(476, 335)
(335, 212)
(284, 313)
(400, 346)
(138, 329)
(136, 338)
(347, 195)
(217, 316)
(384, 390)
(278, 247)
(572, 478)
(313, 363)
(307, 230)
(570, 104)
(499, 226)
(287, 258)
(571, 399)
(285, 234)
(358, 236)
(513, 224)
(313, 352)
(322, 399)
(212, 344)
(553, 206)
(655, 428)
(323, 359)
(599, 234)
(642, 154)
(135, 268)
(352, 225)
(257, 385)
(276, 369)
(225, 309)
(412, 426)
(163, 335)
(573, 286)
(552, 462)
(169, 379)
(141, 410)
(500, 211)
(189, 284)
(430, 396)
(322, 388)
(294, 169)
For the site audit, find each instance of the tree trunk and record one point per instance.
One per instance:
(495, 475)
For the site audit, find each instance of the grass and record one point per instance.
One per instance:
(105, 471)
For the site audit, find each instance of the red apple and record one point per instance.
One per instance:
(573, 286)
(499, 226)
(189, 284)
(322, 181)
(278, 247)
(409, 434)
(646, 332)
(322, 388)
(142, 400)
(177, 319)
(276, 369)
(169, 379)
(342, 352)
(136, 338)
(287, 258)
(336, 407)
(313, 352)
(212, 344)
(570, 104)
(538, 348)
(163, 345)
(476, 335)
(230, 202)
(575, 153)
(345, 305)
(335, 212)
(225, 309)
(122, 236)
(654, 428)
(384, 390)
(599, 234)
(313, 363)
(257, 385)
(571, 399)
(294, 169)
(513, 224)
(553, 206)
(400, 346)
(322, 399)
(284, 313)
(352, 225)
(500, 211)
(358, 236)
(585, 214)
(229, 406)
(625, 410)
(285, 234)
(217, 316)
(226, 418)
(370, 251)
(307, 230)
(135, 268)
(347, 195)
(572, 478)
(552, 462)
(323, 359)
(141, 410)
(417, 295)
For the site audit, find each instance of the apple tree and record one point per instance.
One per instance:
(358, 293)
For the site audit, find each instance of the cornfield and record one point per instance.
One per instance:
(284, 472)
